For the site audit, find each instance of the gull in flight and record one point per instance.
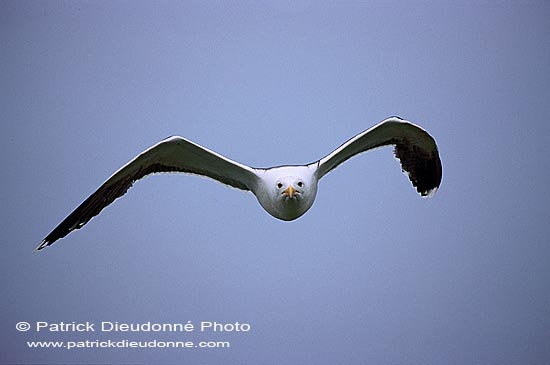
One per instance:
(285, 192)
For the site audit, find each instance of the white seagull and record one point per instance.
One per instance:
(285, 192)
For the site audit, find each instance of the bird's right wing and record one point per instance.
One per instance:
(173, 154)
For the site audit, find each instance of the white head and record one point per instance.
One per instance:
(287, 192)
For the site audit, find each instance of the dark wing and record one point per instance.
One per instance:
(174, 154)
(414, 147)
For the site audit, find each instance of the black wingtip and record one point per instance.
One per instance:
(45, 243)
(423, 167)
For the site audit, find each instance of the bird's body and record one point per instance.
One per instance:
(285, 192)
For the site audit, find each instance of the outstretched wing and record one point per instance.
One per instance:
(414, 147)
(173, 154)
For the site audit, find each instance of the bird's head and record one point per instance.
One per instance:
(290, 187)
(287, 191)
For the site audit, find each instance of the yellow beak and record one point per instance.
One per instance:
(290, 191)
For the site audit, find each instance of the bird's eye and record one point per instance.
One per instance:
(300, 184)
(279, 185)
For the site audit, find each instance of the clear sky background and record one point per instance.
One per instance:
(372, 273)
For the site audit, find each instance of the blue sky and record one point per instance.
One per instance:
(372, 273)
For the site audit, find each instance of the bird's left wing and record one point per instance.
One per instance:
(173, 154)
(414, 147)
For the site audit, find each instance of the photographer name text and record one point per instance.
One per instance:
(106, 326)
